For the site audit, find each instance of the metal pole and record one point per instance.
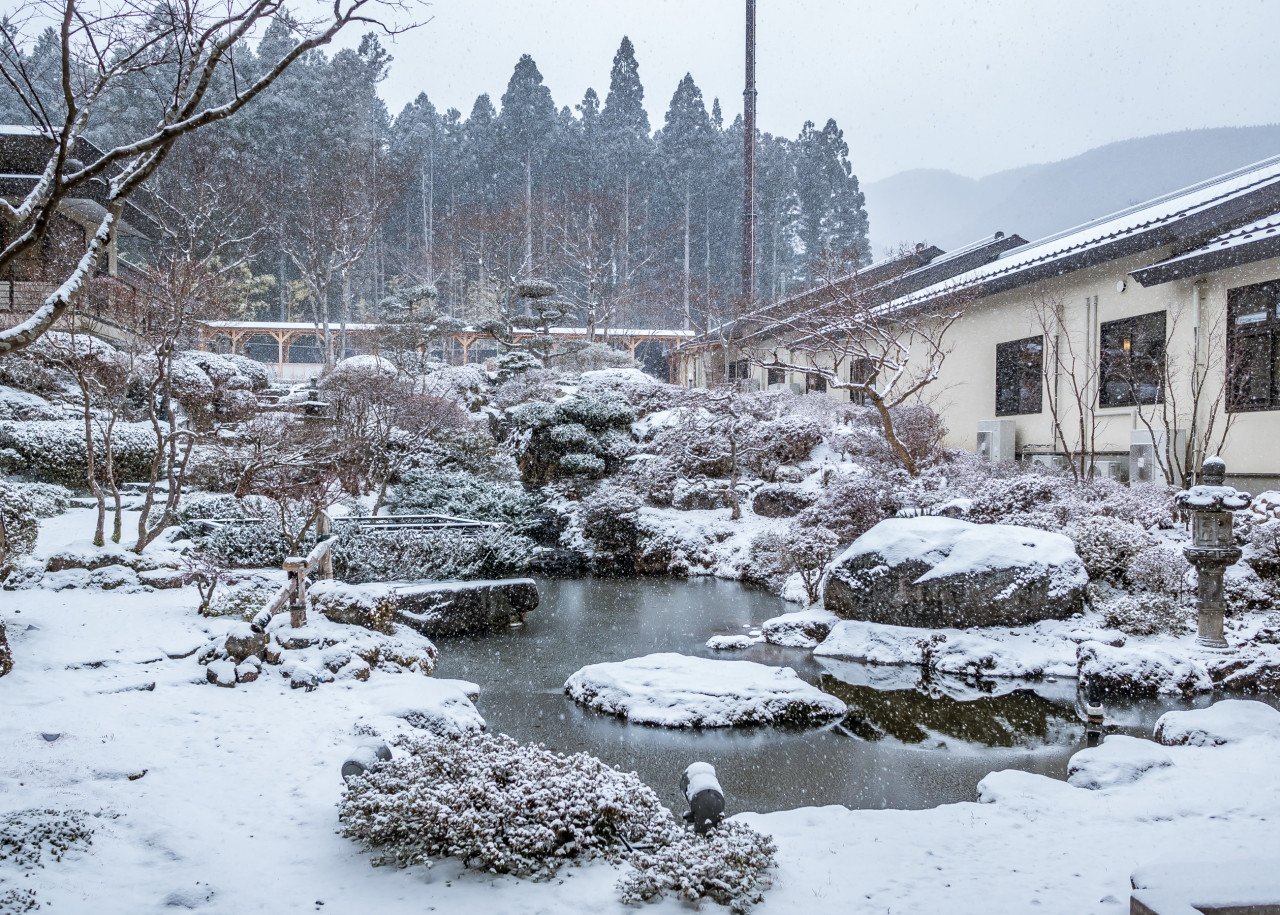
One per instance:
(749, 162)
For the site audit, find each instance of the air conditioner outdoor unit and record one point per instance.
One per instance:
(996, 439)
(1115, 469)
(1149, 453)
(1052, 461)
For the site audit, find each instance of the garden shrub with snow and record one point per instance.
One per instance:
(464, 495)
(362, 555)
(1144, 613)
(27, 838)
(22, 506)
(53, 451)
(521, 809)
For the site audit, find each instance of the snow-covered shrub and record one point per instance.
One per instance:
(514, 363)
(654, 476)
(597, 412)
(997, 501)
(21, 371)
(466, 385)
(535, 385)
(22, 505)
(498, 805)
(23, 405)
(784, 439)
(407, 555)
(1245, 590)
(582, 465)
(1107, 546)
(596, 356)
(1160, 569)
(848, 507)
(536, 414)
(1144, 614)
(464, 495)
(252, 545)
(608, 518)
(728, 864)
(777, 555)
(27, 836)
(570, 437)
(240, 601)
(1262, 547)
(199, 506)
(53, 451)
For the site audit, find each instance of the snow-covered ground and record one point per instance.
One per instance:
(224, 800)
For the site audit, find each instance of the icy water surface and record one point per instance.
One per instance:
(904, 745)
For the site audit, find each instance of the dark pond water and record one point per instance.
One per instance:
(903, 745)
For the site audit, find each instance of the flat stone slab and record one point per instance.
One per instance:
(678, 691)
(1226, 721)
(1247, 886)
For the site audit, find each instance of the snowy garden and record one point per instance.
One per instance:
(648, 577)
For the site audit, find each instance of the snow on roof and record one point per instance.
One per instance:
(23, 130)
(1251, 242)
(1127, 224)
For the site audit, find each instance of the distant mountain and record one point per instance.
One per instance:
(946, 209)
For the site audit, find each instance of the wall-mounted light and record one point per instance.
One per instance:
(1121, 285)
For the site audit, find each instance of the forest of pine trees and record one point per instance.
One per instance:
(338, 204)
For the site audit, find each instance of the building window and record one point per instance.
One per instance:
(1019, 376)
(1131, 361)
(861, 372)
(815, 383)
(739, 370)
(1253, 347)
(777, 375)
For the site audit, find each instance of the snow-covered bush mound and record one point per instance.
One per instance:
(362, 365)
(370, 555)
(1226, 721)
(499, 806)
(464, 495)
(727, 864)
(936, 571)
(674, 690)
(1118, 760)
(53, 451)
(521, 809)
(22, 506)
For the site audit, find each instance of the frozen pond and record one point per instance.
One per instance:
(903, 745)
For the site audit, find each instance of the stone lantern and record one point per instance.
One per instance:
(1213, 543)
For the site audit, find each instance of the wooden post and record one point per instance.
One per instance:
(325, 529)
(281, 343)
(296, 566)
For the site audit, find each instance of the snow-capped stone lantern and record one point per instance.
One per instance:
(313, 408)
(705, 796)
(1213, 544)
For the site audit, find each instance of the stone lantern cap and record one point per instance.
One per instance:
(1212, 495)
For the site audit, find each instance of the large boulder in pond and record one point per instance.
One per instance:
(460, 607)
(934, 572)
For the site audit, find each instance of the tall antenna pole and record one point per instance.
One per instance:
(749, 162)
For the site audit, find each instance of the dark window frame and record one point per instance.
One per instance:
(862, 371)
(1259, 331)
(739, 370)
(815, 383)
(777, 374)
(1020, 376)
(1131, 360)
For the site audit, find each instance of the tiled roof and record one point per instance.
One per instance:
(1251, 242)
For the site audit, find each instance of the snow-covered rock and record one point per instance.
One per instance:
(1026, 654)
(1118, 760)
(674, 690)
(802, 629)
(1224, 722)
(1134, 670)
(731, 642)
(935, 571)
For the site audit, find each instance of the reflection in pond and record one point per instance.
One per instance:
(901, 748)
(927, 713)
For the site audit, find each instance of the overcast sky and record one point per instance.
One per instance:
(974, 86)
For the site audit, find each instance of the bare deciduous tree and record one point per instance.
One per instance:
(847, 335)
(184, 51)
